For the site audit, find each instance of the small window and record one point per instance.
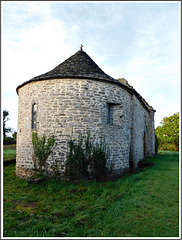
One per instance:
(109, 113)
(34, 116)
(113, 113)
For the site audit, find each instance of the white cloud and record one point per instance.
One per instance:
(29, 52)
(34, 53)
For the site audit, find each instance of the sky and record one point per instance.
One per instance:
(138, 41)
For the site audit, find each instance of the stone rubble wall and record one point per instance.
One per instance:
(143, 131)
(140, 125)
(74, 105)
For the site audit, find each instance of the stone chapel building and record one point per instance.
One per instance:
(78, 96)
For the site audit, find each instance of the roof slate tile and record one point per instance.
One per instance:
(80, 65)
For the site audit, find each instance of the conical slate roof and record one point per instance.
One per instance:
(80, 65)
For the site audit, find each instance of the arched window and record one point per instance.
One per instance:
(34, 116)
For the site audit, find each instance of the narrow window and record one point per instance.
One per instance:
(109, 113)
(34, 116)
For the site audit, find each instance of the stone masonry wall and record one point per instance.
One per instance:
(151, 132)
(140, 123)
(143, 136)
(66, 105)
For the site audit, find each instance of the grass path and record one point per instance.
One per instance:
(143, 204)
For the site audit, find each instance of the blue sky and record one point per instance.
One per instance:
(139, 41)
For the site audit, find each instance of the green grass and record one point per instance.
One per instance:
(9, 154)
(142, 204)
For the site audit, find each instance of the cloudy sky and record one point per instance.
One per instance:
(139, 41)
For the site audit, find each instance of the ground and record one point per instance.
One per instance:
(141, 204)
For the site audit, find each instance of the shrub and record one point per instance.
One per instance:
(42, 149)
(86, 158)
(76, 162)
(168, 145)
(98, 162)
(8, 141)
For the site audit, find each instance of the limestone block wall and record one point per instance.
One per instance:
(66, 105)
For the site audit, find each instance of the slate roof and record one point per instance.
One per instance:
(80, 65)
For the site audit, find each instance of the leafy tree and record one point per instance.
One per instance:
(168, 132)
(14, 136)
(5, 119)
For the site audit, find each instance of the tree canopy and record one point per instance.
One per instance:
(168, 132)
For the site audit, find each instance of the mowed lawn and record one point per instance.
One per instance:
(142, 204)
(9, 154)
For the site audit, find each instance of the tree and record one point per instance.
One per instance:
(168, 132)
(14, 136)
(5, 119)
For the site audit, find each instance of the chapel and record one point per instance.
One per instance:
(77, 96)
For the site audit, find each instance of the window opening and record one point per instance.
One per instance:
(34, 116)
(112, 112)
(109, 113)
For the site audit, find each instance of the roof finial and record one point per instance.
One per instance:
(81, 47)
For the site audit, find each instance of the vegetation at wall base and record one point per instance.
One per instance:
(141, 204)
(42, 148)
(87, 158)
(143, 164)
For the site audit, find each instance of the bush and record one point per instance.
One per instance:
(8, 141)
(98, 163)
(168, 145)
(76, 166)
(86, 158)
(42, 150)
